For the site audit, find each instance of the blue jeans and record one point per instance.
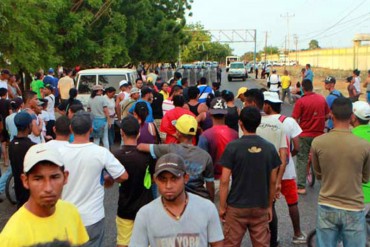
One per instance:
(111, 135)
(4, 177)
(336, 224)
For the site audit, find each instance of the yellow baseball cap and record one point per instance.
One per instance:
(187, 125)
(241, 90)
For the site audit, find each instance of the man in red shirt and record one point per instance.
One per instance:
(311, 111)
(169, 119)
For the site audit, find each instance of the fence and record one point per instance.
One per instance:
(336, 58)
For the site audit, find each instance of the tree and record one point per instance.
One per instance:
(249, 56)
(271, 50)
(200, 46)
(314, 44)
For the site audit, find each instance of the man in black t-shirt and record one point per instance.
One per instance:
(253, 163)
(18, 148)
(136, 191)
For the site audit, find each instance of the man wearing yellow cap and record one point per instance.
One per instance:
(240, 94)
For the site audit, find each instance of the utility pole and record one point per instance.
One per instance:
(265, 46)
(296, 47)
(287, 16)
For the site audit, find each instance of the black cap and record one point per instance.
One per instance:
(172, 163)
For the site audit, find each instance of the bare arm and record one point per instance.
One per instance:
(281, 170)
(202, 108)
(211, 189)
(295, 141)
(224, 190)
(143, 147)
(37, 128)
(122, 178)
(106, 113)
(273, 176)
(118, 106)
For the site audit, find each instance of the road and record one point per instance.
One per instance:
(307, 203)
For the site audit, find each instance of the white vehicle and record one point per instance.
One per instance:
(230, 59)
(237, 70)
(86, 79)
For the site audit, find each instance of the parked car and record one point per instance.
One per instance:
(237, 70)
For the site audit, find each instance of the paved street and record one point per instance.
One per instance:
(307, 204)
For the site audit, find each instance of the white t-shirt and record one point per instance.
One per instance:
(3, 84)
(50, 108)
(357, 85)
(167, 105)
(272, 130)
(198, 226)
(274, 82)
(111, 106)
(292, 130)
(56, 144)
(85, 163)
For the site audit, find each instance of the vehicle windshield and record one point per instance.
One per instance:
(88, 81)
(236, 66)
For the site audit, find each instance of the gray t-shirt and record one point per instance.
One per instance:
(198, 165)
(198, 226)
(97, 105)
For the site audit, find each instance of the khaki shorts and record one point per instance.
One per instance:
(124, 230)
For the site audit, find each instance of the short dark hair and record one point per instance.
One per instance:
(193, 92)
(307, 85)
(177, 75)
(255, 95)
(203, 80)
(227, 95)
(110, 89)
(342, 108)
(251, 118)
(81, 122)
(175, 89)
(76, 107)
(276, 107)
(308, 65)
(178, 100)
(62, 126)
(38, 75)
(3, 91)
(142, 111)
(184, 81)
(28, 95)
(130, 126)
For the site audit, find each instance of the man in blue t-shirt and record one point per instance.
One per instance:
(53, 81)
(204, 90)
(333, 94)
(308, 74)
(147, 97)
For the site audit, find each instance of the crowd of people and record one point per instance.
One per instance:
(193, 169)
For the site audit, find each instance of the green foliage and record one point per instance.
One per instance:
(41, 33)
(314, 44)
(199, 46)
(248, 56)
(271, 50)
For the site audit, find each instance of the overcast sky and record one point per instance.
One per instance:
(332, 22)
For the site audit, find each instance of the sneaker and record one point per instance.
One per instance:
(299, 239)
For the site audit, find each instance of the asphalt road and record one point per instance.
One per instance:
(307, 203)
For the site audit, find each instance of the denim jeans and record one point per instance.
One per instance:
(111, 135)
(337, 224)
(4, 177)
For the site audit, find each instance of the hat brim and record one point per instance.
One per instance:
(274, 101)
(217, 111)
(175, 172)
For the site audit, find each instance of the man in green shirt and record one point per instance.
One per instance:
(361, 128)
(37, 85)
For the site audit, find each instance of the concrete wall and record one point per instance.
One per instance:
(337, 58)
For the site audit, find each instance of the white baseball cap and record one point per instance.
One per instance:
(123, 83)
(38, 153)
(362, 110)
(273, 97)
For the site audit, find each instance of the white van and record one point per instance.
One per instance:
(86, 79)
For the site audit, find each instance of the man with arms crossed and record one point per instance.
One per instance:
(341, 161)
(253, 163)
(44, 218)
(177, 216)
